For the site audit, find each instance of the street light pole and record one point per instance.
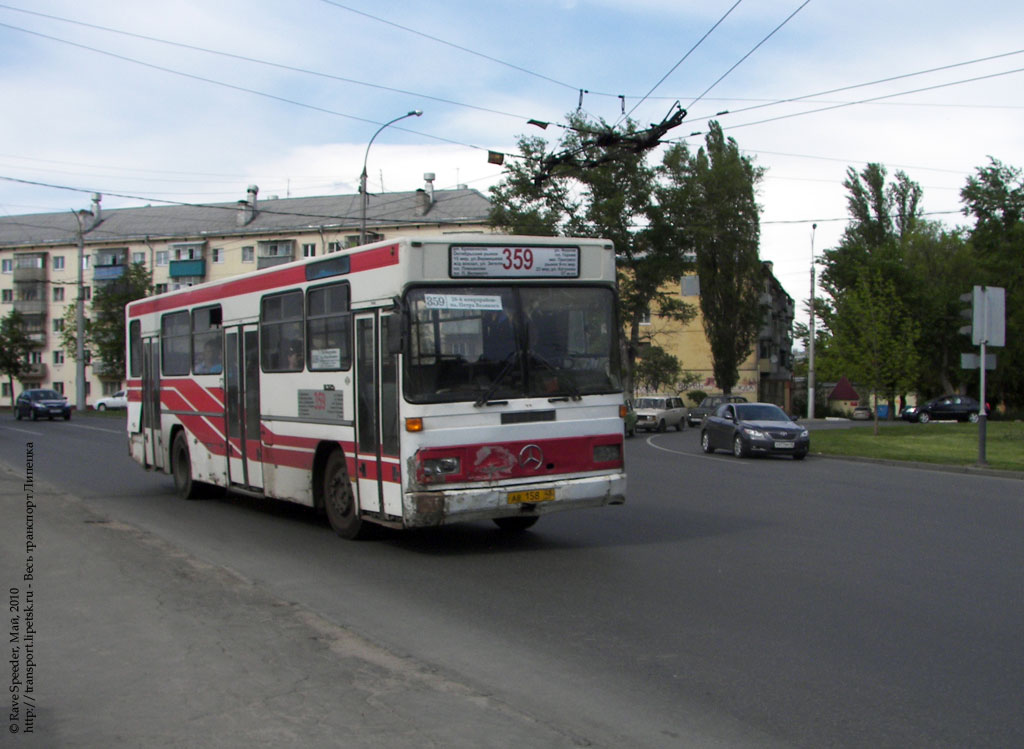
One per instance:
(362, 177)
(810, 339)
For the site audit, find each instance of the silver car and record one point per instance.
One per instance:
(659, 412)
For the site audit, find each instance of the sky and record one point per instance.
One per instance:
(189, 101)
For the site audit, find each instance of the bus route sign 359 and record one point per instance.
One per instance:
(486, 261)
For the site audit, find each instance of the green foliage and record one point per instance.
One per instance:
(994, 197)
(655, 368)
(15, 346)
(105, 333)
(874, 337)
(696, 396)
(711, 200)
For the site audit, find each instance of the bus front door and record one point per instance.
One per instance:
(153, 452)
(242, 401)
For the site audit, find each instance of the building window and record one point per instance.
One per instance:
(160, 288)
(6, 390)
(190, 251)
(58, 293)
(8, 295)
(218, 254)
(309, 250)
(35, 357)
(139, 258)
(58, 262)
(58, 325)
(58, 357)
(248, 254)
(59, 387)
(85, 262)
(8, 266)
(162, 257)
(111, 386)
(185, 281)
(645, 319)
(87, 293)
(333, 246)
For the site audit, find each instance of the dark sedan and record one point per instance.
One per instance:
(37, 403)
(754, 429)
(958, 407)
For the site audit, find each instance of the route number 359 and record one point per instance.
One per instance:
(520, 258)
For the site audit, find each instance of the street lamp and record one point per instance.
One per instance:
(811, 392)
(362, 177)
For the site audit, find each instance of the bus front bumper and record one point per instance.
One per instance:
(432, 508)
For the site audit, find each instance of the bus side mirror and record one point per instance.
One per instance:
(393, 329)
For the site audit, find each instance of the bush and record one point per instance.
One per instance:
(696, 396)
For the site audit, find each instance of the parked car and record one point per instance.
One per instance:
(117, 400)
(861, 413)
(659, 412)
(708, 406)
(38, 402)
(959, 407)
(629, 421)
(754, 429)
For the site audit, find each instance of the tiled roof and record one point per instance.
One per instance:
(272, 216)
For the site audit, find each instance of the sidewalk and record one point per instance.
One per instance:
(138, 644)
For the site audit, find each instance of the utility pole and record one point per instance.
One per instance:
(81, 217)
(810, 339)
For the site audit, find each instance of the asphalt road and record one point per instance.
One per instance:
(738, 603)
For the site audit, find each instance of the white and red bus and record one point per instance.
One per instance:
(411, 382)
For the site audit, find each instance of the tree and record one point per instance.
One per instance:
(15, 347)
(875, 339)
(105, 333)
(710, 199)
(994, 197)
(599, 185)
(655, 368)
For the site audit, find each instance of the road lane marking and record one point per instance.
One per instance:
(24, 431)
(97, 429)
(701, 454)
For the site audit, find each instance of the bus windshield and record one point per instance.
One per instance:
(499, 342)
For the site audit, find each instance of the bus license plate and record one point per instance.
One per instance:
(784, 445)
(537, 495)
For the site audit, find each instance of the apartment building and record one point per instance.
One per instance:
(767, 373)
(185, 245)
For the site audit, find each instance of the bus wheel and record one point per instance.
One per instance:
(339, 499)
(516, 524)
(181, 468)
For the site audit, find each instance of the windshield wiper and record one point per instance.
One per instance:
(510, 362)
(561, 375)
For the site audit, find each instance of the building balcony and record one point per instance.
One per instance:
(30, 306)
(29, 275)
(271, 261)
(107, 272)
(184, 268)
(34, 372)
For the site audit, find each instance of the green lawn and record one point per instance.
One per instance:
(954, 444)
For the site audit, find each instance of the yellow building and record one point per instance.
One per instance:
(766, 375)
(185, 245)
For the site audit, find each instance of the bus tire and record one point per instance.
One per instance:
(340, 501)
(516, 524)
(181, 468)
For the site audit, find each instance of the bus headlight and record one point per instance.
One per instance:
(432, 468)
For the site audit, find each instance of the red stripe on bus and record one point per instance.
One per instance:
(508, 460)
(287, 275)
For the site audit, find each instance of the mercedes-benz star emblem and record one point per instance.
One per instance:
(531, 456)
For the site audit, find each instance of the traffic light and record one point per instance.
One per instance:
(968, 314)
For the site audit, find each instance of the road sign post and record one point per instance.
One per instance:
(988, 328)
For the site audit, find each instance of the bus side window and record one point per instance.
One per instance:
(281, 322)
(328, 327)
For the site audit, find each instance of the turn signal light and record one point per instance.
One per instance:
(414, 424)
